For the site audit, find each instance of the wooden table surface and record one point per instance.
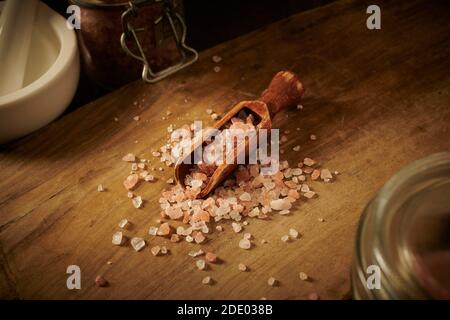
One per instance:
(376, 100)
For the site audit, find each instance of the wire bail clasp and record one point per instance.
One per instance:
(188, 54)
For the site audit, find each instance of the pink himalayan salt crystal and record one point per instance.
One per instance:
(315, 174)
(131, 181)
(325, 174)
(280, 204)
(308, 162)
(129, 157)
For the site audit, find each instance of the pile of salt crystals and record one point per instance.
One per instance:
(246, 194)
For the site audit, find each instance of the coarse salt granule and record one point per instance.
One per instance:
(272, 282)
(211, 257)
(100, 188)
(285, 238)
(201, 264)
(136, 118)
(100, 281)
(313, 296)
(118, 238)
(326, 175)
(242, 267)
(216, 69)
(247, 236)
(137, 202)
(207, 280)
(129, 157)
(303, 276)
(149, 178)
(313, 137)
(196, 253)
(309, 194)
(131, 181)
(245, 196)
(138, 243)
(156, 250)
(124, 223)
(209, 111)
(315, 174)
(245, 244)
(293, 233)
(237, 227)
(216, 59)
(280, 204)
(308, 162)
(296, 148)
(153, 231)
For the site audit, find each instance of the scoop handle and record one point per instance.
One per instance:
(284, 90)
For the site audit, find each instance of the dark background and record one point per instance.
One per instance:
(209, 23)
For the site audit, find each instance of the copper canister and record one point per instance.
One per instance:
(151, 41)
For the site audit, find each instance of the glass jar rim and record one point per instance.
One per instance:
(380, 215)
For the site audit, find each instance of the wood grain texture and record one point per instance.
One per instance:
(375, 99)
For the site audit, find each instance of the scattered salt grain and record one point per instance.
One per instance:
(207, 280)
(149, 178)
(313, 137)
(136, 118)
(137, 202)
(153, 231)
(248, 236)
(321, 220)
(237, 227)
(156, 250)
(131, 181)
(100, 188)
(313, 296)
(101, 281)
(293, 233)
(209, 111)
(216, 59)
(272, 282)
(217, 69)
(309, 194)
(138, 243)
(130, 194)
(211, 257)
(129, 157)
(326, 175)
(296, 148)
(242, 267)
(285, 238)
(214, 116)
(315, 174)
(245, 244)
(199, 238)
(299, 107)
(219, 228)
(201, 264)
(196, 253)
(303, 276)
(118, 238)
(124, 223)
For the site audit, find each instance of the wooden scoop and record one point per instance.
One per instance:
(284, 90)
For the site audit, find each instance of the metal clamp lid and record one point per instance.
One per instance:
(188, 54)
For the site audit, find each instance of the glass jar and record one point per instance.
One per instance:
(121, 40)
(405, 232)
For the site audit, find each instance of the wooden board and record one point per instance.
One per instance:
(375, 99)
